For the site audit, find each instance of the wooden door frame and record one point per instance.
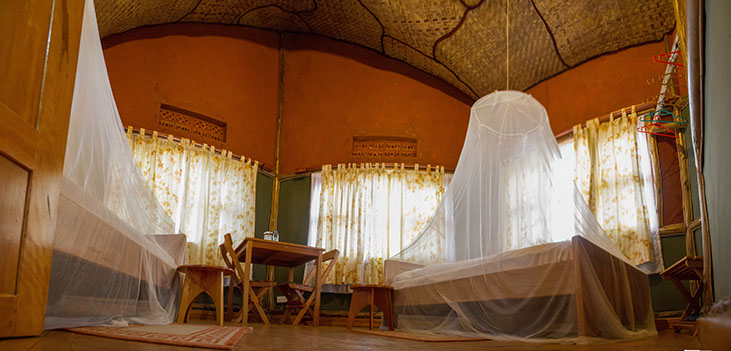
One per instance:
(40, 149)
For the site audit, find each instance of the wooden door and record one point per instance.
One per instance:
(39, 44)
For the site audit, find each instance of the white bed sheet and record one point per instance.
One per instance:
(517, 259)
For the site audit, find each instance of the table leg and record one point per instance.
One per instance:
(371, 293)
(357, 301)
(270, 294)
(318, 288)
(290, 279)
(230, 309)
(247, 285)
(388, 309)
(217, 296)
(195, 284)
(184, 303)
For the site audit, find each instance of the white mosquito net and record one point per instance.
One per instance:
(513, 251)
(114, 257)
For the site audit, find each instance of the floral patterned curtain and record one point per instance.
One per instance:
(613, 173)
(369, 213)
(207, 194)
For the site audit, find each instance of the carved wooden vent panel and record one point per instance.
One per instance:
(384, 147)
(189, 122)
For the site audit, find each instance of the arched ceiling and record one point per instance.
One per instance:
(460, 41)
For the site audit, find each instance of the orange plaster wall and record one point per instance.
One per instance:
(225, 72)
(600, 86)
(334, 91)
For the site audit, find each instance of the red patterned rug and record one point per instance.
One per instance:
(196, 335)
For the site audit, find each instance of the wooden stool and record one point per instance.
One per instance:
(200, 278)
(380, 296)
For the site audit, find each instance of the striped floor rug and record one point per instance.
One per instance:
(196, 335)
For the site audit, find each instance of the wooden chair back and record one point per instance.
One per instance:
(332, 257)
(231, 259)
(293, 292)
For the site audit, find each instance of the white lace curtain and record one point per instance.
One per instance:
(207, 194)
(614, 175)
(522, 217)
(370, 213)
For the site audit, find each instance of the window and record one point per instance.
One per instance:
(369, 214)
(613, 172)
(207, 194)
(527, 196)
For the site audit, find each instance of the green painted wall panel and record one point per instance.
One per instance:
(294, 217)
(665, 296)
(717, 143)
(294, 221)
(264, 187)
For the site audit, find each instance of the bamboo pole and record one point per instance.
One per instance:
(679, 8)
(694, 58)
(641, 109)
(690, 249)
(682, 151)
(673, 230)
(274, 213)
(306, 172)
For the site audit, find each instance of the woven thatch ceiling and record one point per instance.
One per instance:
(460, 41)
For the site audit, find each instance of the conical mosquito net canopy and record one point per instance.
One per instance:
(113, 261)
(510, 248)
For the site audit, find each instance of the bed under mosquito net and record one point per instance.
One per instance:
(508, 254)
(115, 251)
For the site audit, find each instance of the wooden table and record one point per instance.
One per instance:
(201, 278)
(280, 254)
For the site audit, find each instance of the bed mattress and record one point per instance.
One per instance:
(539, 255)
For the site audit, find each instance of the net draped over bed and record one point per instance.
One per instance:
(499, 257)
(113, 261)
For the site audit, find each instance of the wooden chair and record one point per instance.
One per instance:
(255, 296)
(294, 292)
(688, 268)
